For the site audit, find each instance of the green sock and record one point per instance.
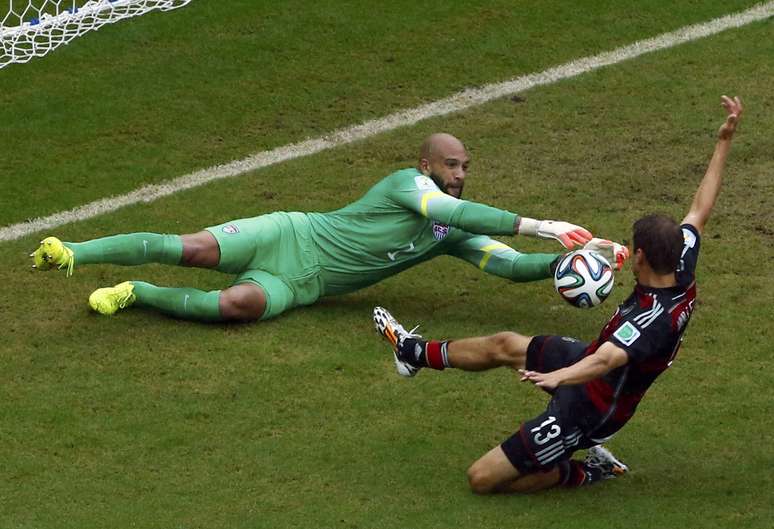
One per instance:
(129, 249)
(185, 303)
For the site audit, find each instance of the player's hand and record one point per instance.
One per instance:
(547, 381)
(734, 110)
(616, 254)
(568, 234)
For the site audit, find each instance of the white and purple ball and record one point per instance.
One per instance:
(583, 278)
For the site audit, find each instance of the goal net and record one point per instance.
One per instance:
(32, 28)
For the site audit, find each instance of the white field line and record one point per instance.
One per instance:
(460, 101)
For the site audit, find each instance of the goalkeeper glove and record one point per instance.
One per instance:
(616, 254)
(568, 234)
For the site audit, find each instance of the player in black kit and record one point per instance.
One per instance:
(595, 387)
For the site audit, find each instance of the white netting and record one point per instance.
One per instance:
(32, 28)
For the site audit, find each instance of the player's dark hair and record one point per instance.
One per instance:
(661, 239)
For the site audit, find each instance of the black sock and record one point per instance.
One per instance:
(425, 353)
(412, 350)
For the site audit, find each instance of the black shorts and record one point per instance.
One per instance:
(549, 353)
(554, 435)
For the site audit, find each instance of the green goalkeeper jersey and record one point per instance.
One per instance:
(406, 219)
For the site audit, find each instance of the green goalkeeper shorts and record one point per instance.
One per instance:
(276, 252)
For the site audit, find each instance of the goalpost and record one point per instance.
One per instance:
(33, 28)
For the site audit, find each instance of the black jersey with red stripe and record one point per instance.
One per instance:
(649, 326)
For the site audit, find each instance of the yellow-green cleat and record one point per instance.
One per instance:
(52, 253)
(110, 300)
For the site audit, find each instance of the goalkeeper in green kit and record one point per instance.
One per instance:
(283, 260)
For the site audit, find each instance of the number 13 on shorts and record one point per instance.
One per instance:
(546, 431)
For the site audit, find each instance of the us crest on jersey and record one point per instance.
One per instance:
(231, 228)
(440, 231)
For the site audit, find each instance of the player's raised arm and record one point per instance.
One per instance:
(704, 199)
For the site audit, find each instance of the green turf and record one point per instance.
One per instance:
(144, 421)
(135, 103)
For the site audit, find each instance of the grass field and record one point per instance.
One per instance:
(144, 421)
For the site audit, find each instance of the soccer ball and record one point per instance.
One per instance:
(583, 278)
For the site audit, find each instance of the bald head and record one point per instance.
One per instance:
(440, 143)
(443, 158)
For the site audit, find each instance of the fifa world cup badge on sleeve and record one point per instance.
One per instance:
(627, 333)
(440, 231)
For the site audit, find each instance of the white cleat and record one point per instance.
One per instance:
(603, 459)
(394, 333)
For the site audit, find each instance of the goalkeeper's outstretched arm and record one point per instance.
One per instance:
(496, 258)
(474, 217)
(707, 194)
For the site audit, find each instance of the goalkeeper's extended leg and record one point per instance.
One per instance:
(127, 249)
(243, 302)
(130, 249)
